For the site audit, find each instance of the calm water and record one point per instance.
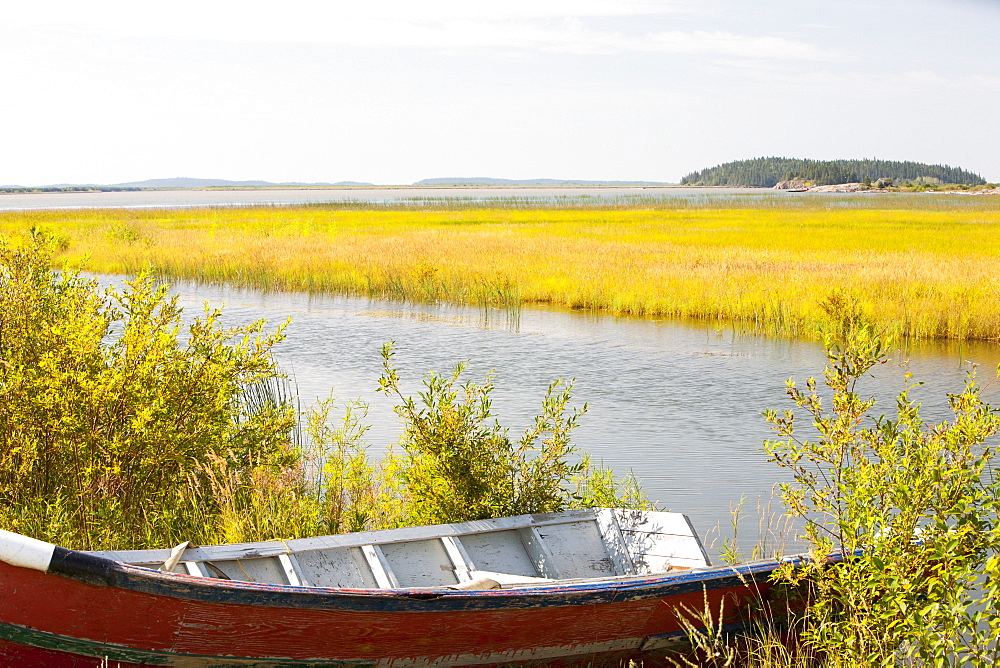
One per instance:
(678, 404)
(198, 198)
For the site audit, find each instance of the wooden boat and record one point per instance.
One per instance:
(583, 586)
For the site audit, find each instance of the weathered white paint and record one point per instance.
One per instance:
(357, 539)
(195, 568)
(346, 567)
(499, 551)
(653, 522)
(18, 550)
(253, 570)
(380, 568)
(538, 552)
(578, 550)
(421, 563)
(293, 573)
(658, 541)
(614, 542)
(521, 551)
(460, 560)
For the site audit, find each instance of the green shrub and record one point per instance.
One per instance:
(352, 490)
(910, 507)
(110, 411)
(459, 464)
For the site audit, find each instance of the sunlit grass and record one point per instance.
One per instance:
(925, 266)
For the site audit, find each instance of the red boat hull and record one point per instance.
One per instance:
(129, 616)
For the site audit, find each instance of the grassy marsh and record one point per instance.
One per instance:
(923, 266)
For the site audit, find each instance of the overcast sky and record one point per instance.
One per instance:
(393, 92)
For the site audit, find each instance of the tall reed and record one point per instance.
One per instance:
(922, 266)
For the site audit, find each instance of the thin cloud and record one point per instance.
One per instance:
(573, 37)
(187, 18)
(730, 45)
(565, 36)
(560, 26)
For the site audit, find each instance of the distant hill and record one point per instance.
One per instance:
(185, 182)
(766, 172)
(65, 188)
(486, 181)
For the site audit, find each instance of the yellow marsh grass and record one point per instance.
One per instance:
(924, 272)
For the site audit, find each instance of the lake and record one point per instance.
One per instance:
(676, 403)
(150, 199)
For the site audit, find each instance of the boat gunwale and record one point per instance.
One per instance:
(584, 591)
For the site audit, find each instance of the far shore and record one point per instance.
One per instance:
(842, 188)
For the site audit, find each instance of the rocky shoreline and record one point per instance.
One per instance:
(984, 191)
(801, 187)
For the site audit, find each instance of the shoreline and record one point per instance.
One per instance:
(848, 188)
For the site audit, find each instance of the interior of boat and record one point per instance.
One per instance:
(522, 551)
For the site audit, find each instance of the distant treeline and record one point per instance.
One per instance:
(67, 189)
(766, 172)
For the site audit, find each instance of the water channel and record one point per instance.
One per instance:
(676, 403)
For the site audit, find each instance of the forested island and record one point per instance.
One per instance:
(767, 172)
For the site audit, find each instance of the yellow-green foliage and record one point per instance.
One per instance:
(119, 428)
(910, 506)
(111, 420)
(918, 266)
(460, 464)
(356, 493)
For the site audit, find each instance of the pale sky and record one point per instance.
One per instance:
(391, 92)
